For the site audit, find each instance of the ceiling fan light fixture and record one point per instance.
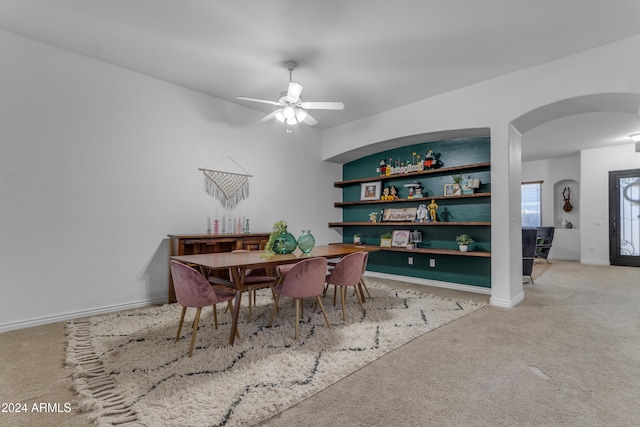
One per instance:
(288, 112)
(292, 121)
(300, 114)
(280, 116)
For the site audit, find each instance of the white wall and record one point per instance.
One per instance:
(566, 242)
(495, 104)
(98, 164)
(594, 178)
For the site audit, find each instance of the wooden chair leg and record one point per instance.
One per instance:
(324, 313)
(215, 316)
(275, 308)
(184, 310)
(297, 308)
(251, 296)
(195, 329)
(360, 300)
(364, 285)
(343, 296)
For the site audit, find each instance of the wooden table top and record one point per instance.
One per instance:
(256, 259)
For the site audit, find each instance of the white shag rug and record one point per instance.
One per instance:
(129, 371)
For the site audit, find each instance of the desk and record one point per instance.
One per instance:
(238, 262)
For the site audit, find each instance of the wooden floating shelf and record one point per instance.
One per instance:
(434, 251)
(407, 224)
(416, 199)
(340, 184)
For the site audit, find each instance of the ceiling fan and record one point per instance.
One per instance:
(293, 109)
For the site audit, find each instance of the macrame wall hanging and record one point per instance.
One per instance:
(229, 188)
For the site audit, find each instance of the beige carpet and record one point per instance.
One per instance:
(569, 355)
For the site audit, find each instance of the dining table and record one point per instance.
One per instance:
(238, 262)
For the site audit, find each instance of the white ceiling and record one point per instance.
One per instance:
(373, 55)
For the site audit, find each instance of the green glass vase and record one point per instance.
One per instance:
(306, 241)
(285, 243)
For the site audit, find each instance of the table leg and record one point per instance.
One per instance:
(237, 277)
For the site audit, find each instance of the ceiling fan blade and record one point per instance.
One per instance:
(310, 120)
(322, 105)
(270, 115)
(264, 101)
(294, 92)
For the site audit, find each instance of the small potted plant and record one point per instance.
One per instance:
(385, 240)
(463, 242)
(356, 239)
(457, 179)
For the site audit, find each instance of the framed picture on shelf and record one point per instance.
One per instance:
(400, 238)
(395, 215)
(370, 190)
(452, 190)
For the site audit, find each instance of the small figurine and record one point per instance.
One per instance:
(432, 210)
(429, 160)
(393, 193)
(385, 194)
(415, 189)
(382, 169)
(422, 215)
(373, 217)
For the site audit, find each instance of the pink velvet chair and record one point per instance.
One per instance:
(193, 290)
(304, 280)
(348, 272)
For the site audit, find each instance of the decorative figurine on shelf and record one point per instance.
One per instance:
(387, 170)
(385, 194)
(413, 189)
(432, 210)
(382, 169)
(429, 160)
(373, 217)
(393, 192)
(422, 215)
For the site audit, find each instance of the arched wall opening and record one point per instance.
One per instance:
(597, 125)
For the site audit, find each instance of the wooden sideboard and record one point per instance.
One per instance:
(191, 244)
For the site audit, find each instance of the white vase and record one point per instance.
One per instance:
(464, 248)
(356, 240)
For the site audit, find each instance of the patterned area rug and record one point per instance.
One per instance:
(129, 371)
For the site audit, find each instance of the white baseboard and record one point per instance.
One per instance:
(78, 314)
(507, 303)
(584, 261)
(429, 282)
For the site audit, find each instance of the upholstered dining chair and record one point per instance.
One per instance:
(362, 286)
(304, 280)
(193, 290)
(348, 272)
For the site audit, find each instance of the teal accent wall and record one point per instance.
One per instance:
(475, 271)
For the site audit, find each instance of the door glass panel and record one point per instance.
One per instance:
(629, 223)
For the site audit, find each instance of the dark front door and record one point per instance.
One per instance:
(624, 217)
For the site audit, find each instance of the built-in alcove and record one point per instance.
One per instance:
(566, 194)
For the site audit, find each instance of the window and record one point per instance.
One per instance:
(530, 201)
